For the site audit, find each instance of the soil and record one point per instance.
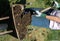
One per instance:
(21, 21)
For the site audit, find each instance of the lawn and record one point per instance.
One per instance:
(35, 33)
(36, 3)
(7, 37)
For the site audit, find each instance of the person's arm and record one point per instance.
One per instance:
(54, 18)
(57, 19)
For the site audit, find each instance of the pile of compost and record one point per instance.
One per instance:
(21, 20)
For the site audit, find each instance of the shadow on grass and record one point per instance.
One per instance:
(21, 2)
(5, 10)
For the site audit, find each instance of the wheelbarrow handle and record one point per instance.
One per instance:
(45, 9)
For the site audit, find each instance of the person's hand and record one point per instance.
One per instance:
(56, 4)
(38, 14)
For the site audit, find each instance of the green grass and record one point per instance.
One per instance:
(48, 35)
(37, 3)
(54, 35)
(7, 38)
